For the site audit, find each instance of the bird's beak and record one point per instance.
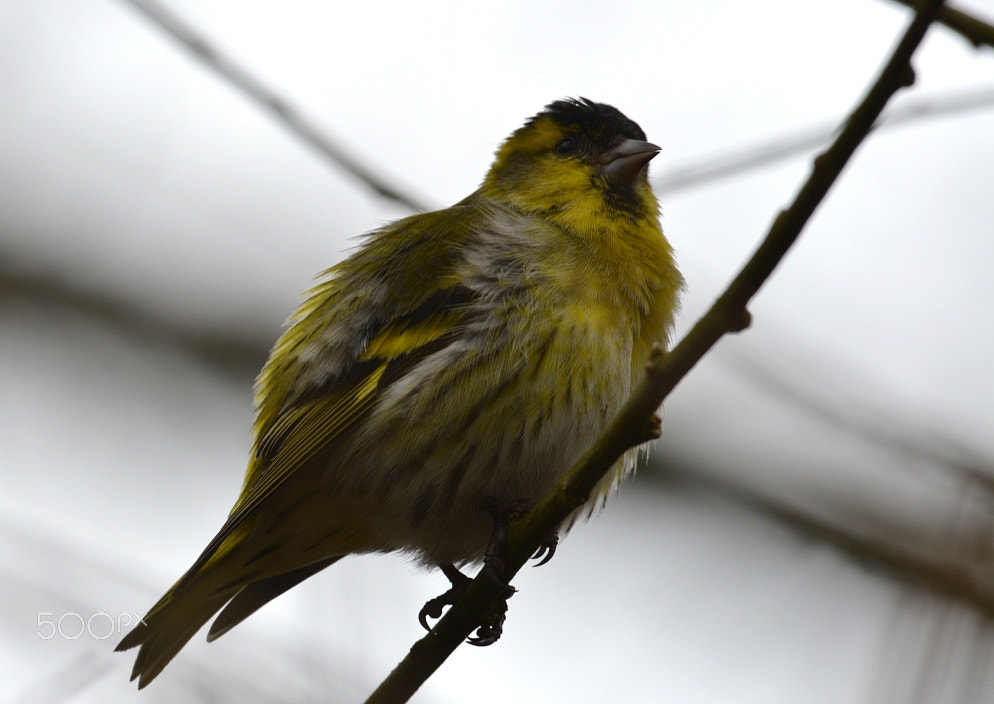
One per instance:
(625, 161)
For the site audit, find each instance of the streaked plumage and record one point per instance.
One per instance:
(458, 357)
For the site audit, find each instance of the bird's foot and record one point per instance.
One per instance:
(494, 564)
(433, 607)
(492, 626)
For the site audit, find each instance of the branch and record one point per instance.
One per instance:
(737, 160)
(950, 569)
(629, 428)
(228, 353)
(971, 28)
(270, 101)
(975, 30)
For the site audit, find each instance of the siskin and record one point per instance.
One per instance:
(444, 375)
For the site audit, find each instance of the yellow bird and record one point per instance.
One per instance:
(444, 375)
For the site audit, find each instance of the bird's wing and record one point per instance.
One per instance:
(409, 328)
(302, 430)
(298, 433)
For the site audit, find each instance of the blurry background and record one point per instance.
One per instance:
(816, 524)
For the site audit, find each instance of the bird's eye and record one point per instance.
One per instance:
(566, 146)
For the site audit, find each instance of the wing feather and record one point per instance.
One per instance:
(328, 414)
(360, 328)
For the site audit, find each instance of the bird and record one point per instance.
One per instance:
(444, 375)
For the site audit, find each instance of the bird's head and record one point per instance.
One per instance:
(578, 163)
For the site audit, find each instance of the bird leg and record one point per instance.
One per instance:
(494, 563)
(503, 516)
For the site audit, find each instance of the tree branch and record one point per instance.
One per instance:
(971, 28)
(736, 160)
(728, 314)
(270, 101)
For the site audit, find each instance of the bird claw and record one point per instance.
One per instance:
(492, 628)
(433, 607)
(546, 550)
(486, 635)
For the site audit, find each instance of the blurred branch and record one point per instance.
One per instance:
(951, 573)
(747, 158)
(232, 355)
(270, 101)
(226, 351)
(633, 423)
(939, 576)
(973, 29)
(857, 417)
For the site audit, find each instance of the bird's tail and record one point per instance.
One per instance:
(190, 604)
(167, 627)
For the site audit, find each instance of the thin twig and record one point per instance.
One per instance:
(270, 101)
(972, 28)
(232, 353)
(738, 160)
(954, 573)
(664, 371)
